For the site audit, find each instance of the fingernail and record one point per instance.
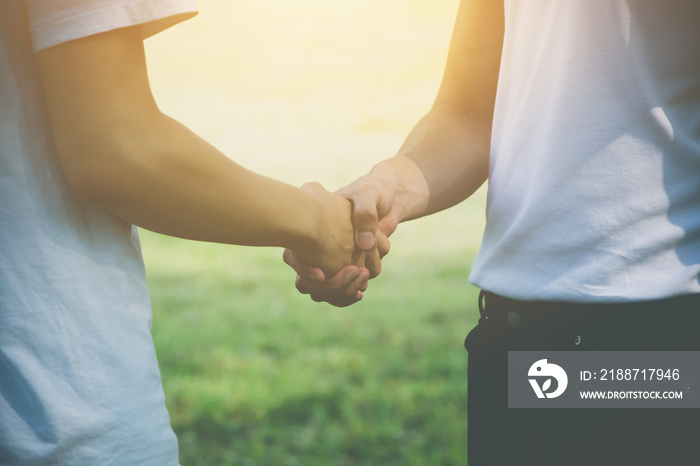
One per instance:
(352, 276)
(365, 240)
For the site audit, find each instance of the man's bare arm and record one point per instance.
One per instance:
(450, 145)
(119, 151)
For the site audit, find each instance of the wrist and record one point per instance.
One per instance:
(410, 188)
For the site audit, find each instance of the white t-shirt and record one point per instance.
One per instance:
(79, 380)
(594, 190)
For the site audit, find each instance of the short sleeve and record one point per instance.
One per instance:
(52, 22)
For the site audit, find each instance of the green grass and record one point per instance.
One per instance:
(257, 374)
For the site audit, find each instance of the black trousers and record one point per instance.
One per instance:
(501, 436)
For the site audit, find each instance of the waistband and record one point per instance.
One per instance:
(665, 324)
(515, 312)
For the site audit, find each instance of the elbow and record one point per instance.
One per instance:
(91, 185)
(95, 173)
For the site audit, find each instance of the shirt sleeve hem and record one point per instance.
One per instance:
(152, 20)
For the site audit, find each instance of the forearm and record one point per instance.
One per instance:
(161, 176)
(450, 145)
(442, 162)
(166, 179)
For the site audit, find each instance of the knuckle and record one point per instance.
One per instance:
(384, 248)
(366, 216)
(312, 186)
(302, 286)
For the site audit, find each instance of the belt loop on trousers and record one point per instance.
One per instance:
(482, 297)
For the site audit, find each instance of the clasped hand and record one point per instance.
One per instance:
(365, 218)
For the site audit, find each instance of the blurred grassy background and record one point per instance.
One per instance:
(255, 373)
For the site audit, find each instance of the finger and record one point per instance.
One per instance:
(389, 223)
(344, 288)
(349, 279)
(373, 263)
(338, 301)
(304, 286)
(302, 268)
(365, 216)
(359, 258)
(364, 286)
(383, 244)
(373, 260)
(359, 284)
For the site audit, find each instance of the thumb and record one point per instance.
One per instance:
(365, 219)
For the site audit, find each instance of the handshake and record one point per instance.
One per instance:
(352, 234)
